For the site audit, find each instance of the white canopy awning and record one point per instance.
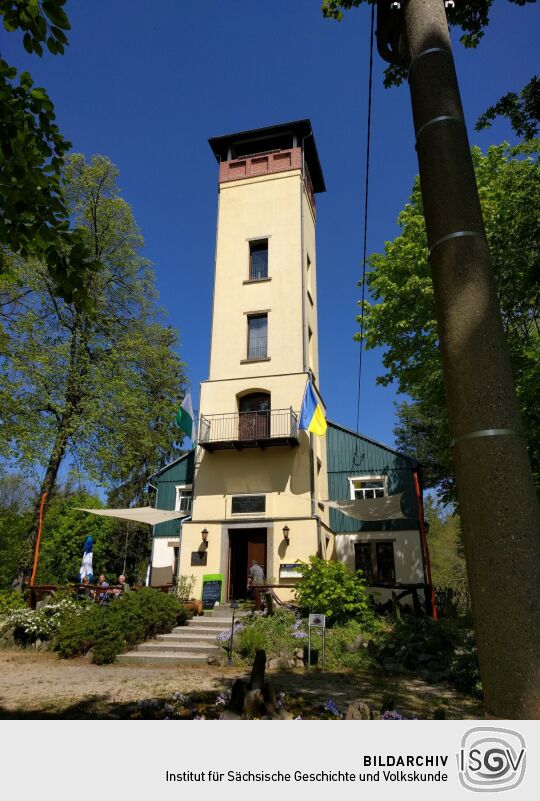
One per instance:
(388, 508)
(141, 514)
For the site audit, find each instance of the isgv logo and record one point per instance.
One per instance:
(491, 759)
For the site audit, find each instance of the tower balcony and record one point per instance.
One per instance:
(260, 429)
(273, 161)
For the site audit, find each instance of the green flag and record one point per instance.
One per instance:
(185, 416)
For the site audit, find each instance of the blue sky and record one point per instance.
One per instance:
(146, 84)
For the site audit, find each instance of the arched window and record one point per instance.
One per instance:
(254, 414)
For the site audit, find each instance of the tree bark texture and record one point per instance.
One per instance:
(497, 497)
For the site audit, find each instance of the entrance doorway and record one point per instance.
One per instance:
(245, 545)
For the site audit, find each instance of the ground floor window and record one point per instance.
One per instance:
(376, 561)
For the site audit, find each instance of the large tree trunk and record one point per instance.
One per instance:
(76, 375)
(497, 499)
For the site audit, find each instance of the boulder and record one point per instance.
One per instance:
(254, 706)
(356, 645)
(228, 714)
(358, 710)
(238, 693)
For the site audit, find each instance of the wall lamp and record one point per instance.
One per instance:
(286, 531)
(204, 534)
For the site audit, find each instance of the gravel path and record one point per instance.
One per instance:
(41, 685)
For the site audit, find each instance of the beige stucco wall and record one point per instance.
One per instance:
(273, 207)
(258, 208)
(303, 542)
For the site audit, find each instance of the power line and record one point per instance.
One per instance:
(370, 84)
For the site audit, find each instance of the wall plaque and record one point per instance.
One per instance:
(199, 558)
(246, 504)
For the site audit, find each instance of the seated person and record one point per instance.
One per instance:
(103, 596)
(124, 586)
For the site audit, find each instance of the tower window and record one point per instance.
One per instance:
(258, 260)
(257, 336)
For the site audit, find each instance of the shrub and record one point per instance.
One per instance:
(249, 641)
(11, 601)
(31, 625)
(330, 588)
(124, 622)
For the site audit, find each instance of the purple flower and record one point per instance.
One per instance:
(331, 707)
(391, 715)
(297, 625)
(298, 717)
(223, 698)
(299, 635)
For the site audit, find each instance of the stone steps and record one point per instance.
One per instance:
(188, 645)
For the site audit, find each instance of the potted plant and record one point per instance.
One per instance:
(183, 590)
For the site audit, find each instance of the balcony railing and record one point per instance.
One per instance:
(248, 429)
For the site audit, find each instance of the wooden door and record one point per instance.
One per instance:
(256, 548)
(254, 413)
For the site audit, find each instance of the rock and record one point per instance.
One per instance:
(299, 653)
(228, 714)
(213, 660)
(270, 696)
(254, 704)
(257, 671)
(7, 640)
(388, 704)
(299, 663)
(358, 710)
(372, 649)
(354, 647)
(238, 693)
(391, 665)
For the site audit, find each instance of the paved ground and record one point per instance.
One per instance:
(41, 685)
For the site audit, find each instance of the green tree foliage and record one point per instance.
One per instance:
(34, 219)
(99, 386)
(331, 589)
(403, 320)
(445, 547)
(16, 499)
(63, 536)
(522, 110)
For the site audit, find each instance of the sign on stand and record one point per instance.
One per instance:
(316, 621)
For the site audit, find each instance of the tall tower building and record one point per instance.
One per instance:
(259, 480)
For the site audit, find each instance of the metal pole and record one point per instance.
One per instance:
(498, 504)
(234, 606)
(38, 541)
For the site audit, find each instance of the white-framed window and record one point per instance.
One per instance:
(184, 497)
(364, 488)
